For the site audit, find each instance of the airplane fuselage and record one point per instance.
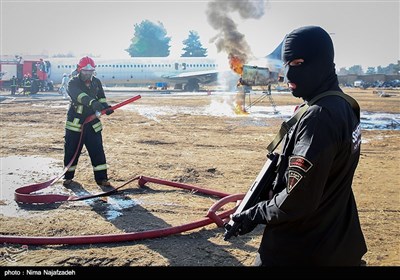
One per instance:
(143, 70)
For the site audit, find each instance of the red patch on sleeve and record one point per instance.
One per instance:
(300, 162)
(293, 180)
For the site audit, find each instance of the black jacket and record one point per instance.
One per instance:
(82, 98)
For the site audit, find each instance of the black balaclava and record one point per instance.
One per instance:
(317, 73)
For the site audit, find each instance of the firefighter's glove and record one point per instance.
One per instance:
(97, 106)
(246, 224)
(109, 110)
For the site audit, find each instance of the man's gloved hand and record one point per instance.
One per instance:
(97, 106)
(109, 111)
(246, 225)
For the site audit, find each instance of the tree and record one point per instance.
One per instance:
(370, 70)
(343, 71)
(391, 69)
(150, 40)
(193, 46)
(380, 70)
(356, 69)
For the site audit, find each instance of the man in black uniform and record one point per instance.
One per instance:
(87, 98)
(311, 218)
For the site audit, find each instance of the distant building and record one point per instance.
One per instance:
(352, 78)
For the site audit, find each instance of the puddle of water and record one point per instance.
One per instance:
(116, 205)
(382, 121)
(18, 171)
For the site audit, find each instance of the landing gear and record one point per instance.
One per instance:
(192, 85)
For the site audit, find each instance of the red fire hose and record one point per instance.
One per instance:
(211, 217)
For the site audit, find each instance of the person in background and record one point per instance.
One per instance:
(64, 85)
(87, 98)
(311, 218)
(27, 84)
(13, 85)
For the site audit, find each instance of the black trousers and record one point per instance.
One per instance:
(258, 261)
(93, 142)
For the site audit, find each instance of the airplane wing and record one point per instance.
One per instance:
(206, 76)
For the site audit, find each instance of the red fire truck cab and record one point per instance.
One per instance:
(34, 70)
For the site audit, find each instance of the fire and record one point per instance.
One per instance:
(240, 103)
(236, 64)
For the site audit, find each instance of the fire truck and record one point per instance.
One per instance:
(36, 70)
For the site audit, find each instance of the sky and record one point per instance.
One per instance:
(365, 33)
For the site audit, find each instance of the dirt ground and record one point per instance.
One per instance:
(221, 153)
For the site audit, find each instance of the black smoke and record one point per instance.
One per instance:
(229, 39)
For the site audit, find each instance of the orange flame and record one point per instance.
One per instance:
(236, 64)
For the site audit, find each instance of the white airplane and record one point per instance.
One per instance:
(184, 72)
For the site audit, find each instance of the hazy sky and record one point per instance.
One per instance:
(364, 32)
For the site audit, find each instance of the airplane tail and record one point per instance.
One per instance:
(277, 53)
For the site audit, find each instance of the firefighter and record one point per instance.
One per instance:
(87, 97)
(13, 85)
(26, 84)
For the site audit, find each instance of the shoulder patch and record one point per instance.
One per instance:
(356, 138)
(300, 162)
(293, 179)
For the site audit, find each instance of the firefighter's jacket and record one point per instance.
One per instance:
(82, 97)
